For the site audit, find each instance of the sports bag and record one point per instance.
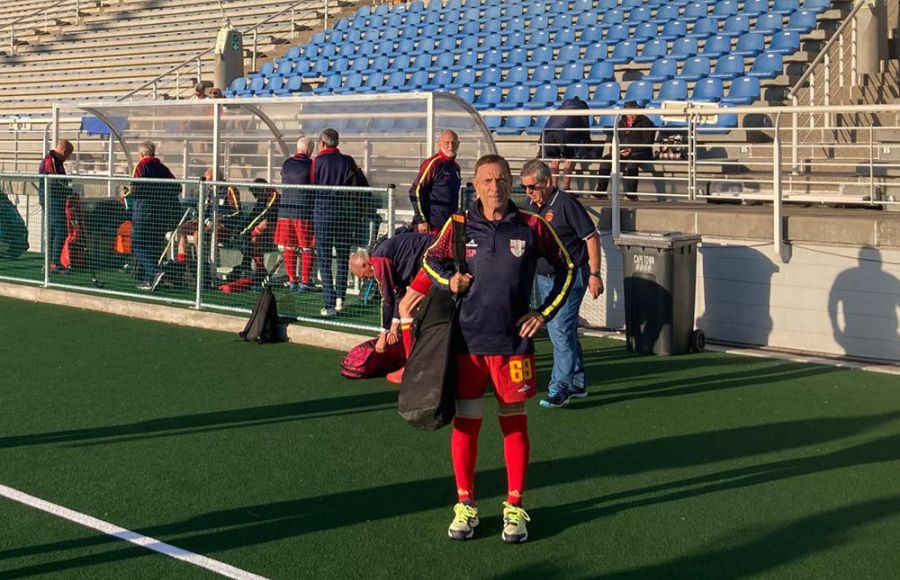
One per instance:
(428, 389)
(363, 361)
(13, 234)
(263, 325)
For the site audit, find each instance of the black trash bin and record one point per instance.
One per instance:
(660, 270)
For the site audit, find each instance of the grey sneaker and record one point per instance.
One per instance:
(558, 397)
(465, 520)
(514, 529)
(576, 393)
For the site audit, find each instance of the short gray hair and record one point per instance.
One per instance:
(330, 137)
(306, 144)
(537, 169)
(147, 148)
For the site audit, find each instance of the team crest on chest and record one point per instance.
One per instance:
(517, 247)
(549, 215)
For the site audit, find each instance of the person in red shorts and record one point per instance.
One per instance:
(294, 229)
(496, 328)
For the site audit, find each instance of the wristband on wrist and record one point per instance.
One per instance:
(597, 274)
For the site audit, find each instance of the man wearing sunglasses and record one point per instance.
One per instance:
(579, 235)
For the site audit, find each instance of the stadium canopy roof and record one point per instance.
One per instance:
(389, 134)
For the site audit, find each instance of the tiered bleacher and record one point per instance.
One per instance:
(532, 55)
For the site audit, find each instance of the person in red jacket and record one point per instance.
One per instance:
(496, 326)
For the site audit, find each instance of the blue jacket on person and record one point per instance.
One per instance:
(330, 167)
(296, 203)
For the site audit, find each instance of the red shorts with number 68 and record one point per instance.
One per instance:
(513, 376)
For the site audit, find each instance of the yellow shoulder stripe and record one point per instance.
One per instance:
(425, 265)
(570, 266)
(419, 186)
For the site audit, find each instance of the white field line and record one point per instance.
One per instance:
(127, 535)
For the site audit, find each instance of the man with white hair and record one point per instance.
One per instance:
(294, 229)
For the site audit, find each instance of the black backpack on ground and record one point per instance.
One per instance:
(428, 390)
(264, 325)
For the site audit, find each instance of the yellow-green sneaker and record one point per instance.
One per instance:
(465, 520)
(514, 528)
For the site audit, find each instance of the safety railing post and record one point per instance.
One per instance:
(871, 164)
(253, 54)
(391, 211)
(777, 215)
(692, 158)
(854, 80)
(614, 180)
(795, 138)
(325, 17)
(293, 24)
(45, 230)
(201, 218)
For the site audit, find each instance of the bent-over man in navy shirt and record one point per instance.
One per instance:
(577, 232)
(496, 327)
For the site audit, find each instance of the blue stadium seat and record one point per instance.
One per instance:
(802, 21)
(544, 96)
(238, 85)
(605, 95)
(607, 4)
(695, 68)
(373, 83)
(349, 84)
(580, 90)
(293, 86)
(707, 90)
(301, 68)
(624, 52)
(396, 80)
(612, 17)
(769, 23)
(724, 8)
(467, 94)
(652, 51)
(517, 75)
(704, 28)
(447, 44)
(667, 13)
(465, 77)
(489, 58)
(360, 64)
(514, 57)
(421, 61)
(515, 98)
(468, 59)
(716, 46)
(671, 90)
(563, 38)
(785, 42)
(417, 80)
(736, 26)
(570, 73)
(626, 4)
(673, 30)
(596, 51)
(380, 63)
(443, 79)
(467, 43)
(347, 48)
(816, 5)
(494, 12)
(601, 71)
(401, 62)
(750, 44)
(767, 65)
(786, 6)
(406, 46)
(640, 15)
(646, 31)
(568, 54)
(590, 35)
(322, 67)
(581, 5)
(662, 70)
(587, 19)
(542, 55)
(331, 84)
(538, 38)
(489, 76)
(728, 67)
(695, 11)
(743, 91)
(684, 48)
(755, 7)
(542, 75)
(640, 92)
(618, 33)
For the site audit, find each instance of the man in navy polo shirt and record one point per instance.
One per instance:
(496, 327)
(574, 227)
(434, 193)
(294, 231)
(331, 167)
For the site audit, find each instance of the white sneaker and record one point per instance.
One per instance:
(465, 520)
(339, 304)
(514, 528)
(328, 312)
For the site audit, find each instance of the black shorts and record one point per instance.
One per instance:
(557, 144)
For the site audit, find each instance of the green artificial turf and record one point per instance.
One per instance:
(263, 457)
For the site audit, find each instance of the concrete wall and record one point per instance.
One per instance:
(831, 300)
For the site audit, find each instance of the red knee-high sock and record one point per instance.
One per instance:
(290, 264)
(464, 451)
(306, 265)
(516, 448)
(406, 332)
(258, 259)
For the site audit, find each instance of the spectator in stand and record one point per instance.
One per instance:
(435, 192)
(331, 167)
(578, 234)
(154, 212)
(54, 164)
(636, 136)
(294, 231)
(216, 93)
(564, 139)
(199, 91)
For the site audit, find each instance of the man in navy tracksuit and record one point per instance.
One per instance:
(53, 164)
(496, 326)
(435, 192)
(154, 212)
(331, 167)
(294, 231)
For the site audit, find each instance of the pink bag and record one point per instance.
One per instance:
(363, 362)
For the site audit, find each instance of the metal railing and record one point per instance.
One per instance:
(192, 68)
(38, 17)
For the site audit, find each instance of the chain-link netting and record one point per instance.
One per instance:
(207, 244)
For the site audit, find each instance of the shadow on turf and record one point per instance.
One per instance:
(235, 418)
(258, 524)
